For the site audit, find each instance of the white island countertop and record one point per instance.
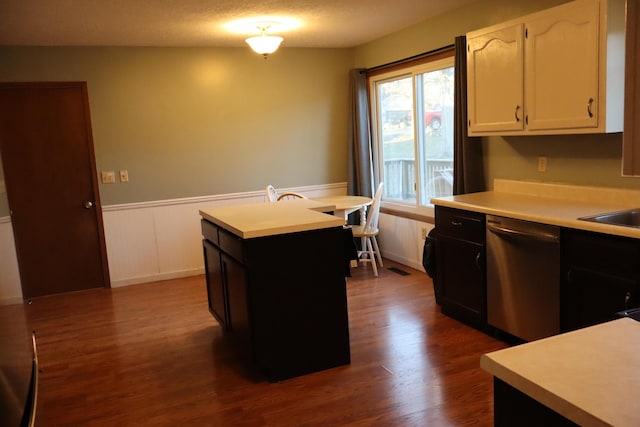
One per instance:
(268, 219)
(553, 204)
(590, 376)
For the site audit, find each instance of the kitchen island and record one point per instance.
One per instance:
(275, 276)
(588, 377)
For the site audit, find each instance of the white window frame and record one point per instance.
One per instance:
(425, 209)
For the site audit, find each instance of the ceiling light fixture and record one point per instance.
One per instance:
(263, 44)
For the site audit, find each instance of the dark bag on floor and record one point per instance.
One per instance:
(429, 260)
(429, 253)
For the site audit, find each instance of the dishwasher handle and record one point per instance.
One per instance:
(511, 232)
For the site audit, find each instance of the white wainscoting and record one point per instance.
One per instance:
(10, 289)
(161, 240)
(401, 240)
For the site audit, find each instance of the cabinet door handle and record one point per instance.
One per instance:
(456, 223)
(627, 298)
(589, 103)
(478, 261)
(516, 113)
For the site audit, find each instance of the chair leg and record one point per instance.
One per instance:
(372, 257)
(377, 250)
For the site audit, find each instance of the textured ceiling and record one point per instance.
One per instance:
(302, 23)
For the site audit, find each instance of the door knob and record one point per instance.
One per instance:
(88, 205)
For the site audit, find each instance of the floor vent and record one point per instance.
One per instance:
(398, 271)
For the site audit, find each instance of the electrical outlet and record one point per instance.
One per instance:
(124, 175)
(108, 177)
(542, 163)
(424, 233)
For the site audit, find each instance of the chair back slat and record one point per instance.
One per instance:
(272, 194)
(373, 213)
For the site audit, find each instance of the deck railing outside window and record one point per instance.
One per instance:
(401, 177)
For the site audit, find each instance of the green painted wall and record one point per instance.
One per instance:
(442, 30)
(580, 160)
(196, 121)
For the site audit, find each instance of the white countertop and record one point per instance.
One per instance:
(553, 204)
(590, 376)
(267, 219)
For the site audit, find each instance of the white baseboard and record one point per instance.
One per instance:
(157, 277)
(11, 300)
(403, 260)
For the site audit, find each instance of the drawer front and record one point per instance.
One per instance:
(612, 255)
(231, 244)
(461, 224)
(210, 232)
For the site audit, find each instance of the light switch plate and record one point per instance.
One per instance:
(124, 175)
(108, 177)
(542, 163)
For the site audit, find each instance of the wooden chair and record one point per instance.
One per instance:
(272, 194)
(290, 195)
(368, 231)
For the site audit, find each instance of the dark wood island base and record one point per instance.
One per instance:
(280, 298)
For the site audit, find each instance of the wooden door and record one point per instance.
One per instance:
(631, 134)
(47, 152)
(495, 80)
(561, 57)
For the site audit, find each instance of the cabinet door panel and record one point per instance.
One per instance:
(561, 57)
(462, 277)
(216, 294)
(495, 80)
(591, 297)
(239, 322)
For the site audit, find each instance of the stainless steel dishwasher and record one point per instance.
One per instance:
(523, 277)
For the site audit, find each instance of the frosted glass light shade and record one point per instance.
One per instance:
(264, 45)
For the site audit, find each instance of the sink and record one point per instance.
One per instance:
(627, 218)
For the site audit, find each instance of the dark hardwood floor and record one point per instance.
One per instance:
(152, 355)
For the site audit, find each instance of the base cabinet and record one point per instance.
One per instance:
(600, 277)
(460, 270)
(281, 299)
(216, 288)
(511, 407)
(599, 273)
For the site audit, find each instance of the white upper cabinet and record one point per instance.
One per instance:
(561, 65)
(495, 79)
(570, 78)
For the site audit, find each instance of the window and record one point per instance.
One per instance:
(412, 111)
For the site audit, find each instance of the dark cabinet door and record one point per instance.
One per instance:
(601, 276)
(460, 265)
(461, 274)
(216, 293)
(238, 308)
(592, 297)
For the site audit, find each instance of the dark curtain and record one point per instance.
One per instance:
(360, 179)
(468, 171)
